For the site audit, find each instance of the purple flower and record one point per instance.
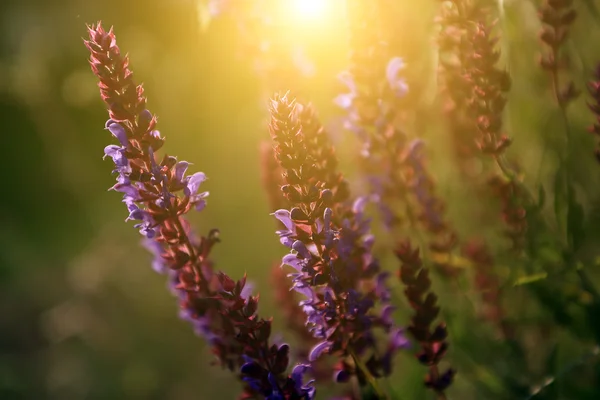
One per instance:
(331, 243)
(397, 83)
(158, 194)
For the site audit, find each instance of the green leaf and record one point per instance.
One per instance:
(525, 280)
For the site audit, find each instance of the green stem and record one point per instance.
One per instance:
(570, 367)
(367, 374)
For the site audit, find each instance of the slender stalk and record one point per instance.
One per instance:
(367, 374)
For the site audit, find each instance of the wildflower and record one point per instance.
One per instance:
(594, 88)
(513, 200)
(557, 16)
(159, 194)
(488, 286)
(489, 84)
(330, 246)
(444, 238)
(264, 368)
(375, 85)
(457, 20)
(432, 339)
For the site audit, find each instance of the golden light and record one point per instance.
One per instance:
(309, 9)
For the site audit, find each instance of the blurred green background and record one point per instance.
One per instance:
(82, 315)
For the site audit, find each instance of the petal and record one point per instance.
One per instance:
(180, 169)
(398, 340)
(305, 291)
(394, 67)
(301, 249)
(194, 182)
(293, 261)
(344, 100)
(359, 204)
(318, 350)
(247, 290)
(111, 150)
(119, 132)
(341, 376)
(284, 216)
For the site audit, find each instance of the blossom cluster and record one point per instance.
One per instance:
(159, 194)
(334, 294)
(331, 246)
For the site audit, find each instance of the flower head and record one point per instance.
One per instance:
(330, 242)
(158, 193)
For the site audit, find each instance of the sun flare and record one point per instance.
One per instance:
(309, 9)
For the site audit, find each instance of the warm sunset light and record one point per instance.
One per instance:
(309, 9)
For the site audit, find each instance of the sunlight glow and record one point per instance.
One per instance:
(309, 9)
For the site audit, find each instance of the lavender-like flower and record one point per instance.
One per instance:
(489, 85)
(265, 366)
(488, 286)
(159, 194)
(456, 21)
(375, 85)
(432, 339)
(557, 16)
(432, 209)
(594, 88)
(330, 247)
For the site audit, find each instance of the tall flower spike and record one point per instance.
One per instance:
(158, 194)
(375, 84)
(432, 209)
(265, 365)
(432, 338)
(594, 88)
(513, 200)
(295, 319)
(488, 85)
(557, 17)
(331, 251)
(456, 21)
(486, 282)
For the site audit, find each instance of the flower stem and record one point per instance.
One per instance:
(367, 374)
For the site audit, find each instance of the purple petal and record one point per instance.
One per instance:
(284, 216)
(398, 84)
(301, 249)
(305, 291)
(293, 261)
(247, 290)
(180, 169)
(359, 204)
(344, 100)
(119, 132)
(398, 340)
(194, 183)
(318, 350)
(341, 376)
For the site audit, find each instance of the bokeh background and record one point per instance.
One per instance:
(82, 315)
